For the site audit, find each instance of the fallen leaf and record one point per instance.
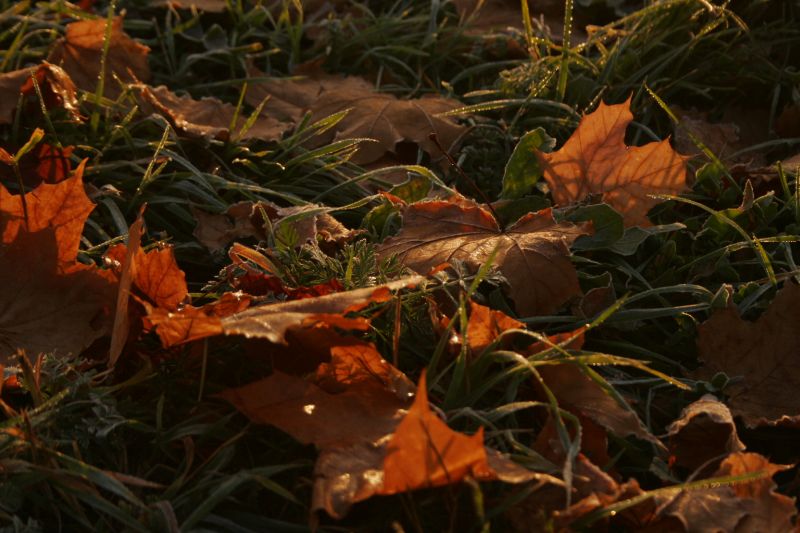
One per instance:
(46, 305)
(122, 326)
(424, 452)
(57, 88)
(271, 322)
(596, 161)
(207, 118)
(62, 206)
(577, 391)
(751, 505)
(354, 418)
(192, 323)
(722, 138)
(704, 431)
(763, 353)
(373, 115)
(533, 254)
(485, 325)
(307, 224)
(44, 164)
(156, 275)
(80, 51)
(288, 99)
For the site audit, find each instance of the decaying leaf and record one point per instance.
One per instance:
(79, 52)
(704, 431)
(48, 305)
(207, 118)
(271, 322)
(722, 138)
(533, 254)
(192, 323)
(306, 224)
(53, 303)
(763, 353)
(751, 505)
(595, 161)
(577, 391)
(288, 99)
(378, 116)
(57, 88)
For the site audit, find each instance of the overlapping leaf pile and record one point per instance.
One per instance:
(414, 342)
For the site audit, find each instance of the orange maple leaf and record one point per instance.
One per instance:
(424, 452)
(595, 160)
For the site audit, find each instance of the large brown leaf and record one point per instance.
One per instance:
(596, 161)
(47, 306)
(533, 254)
(764, 353)
(80, 51)
(378, 116)
(207, 118)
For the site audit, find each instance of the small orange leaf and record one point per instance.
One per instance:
(595, 160)
(63, 206)
(424, 452)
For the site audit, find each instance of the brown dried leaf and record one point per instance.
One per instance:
(46, 305)
(743, 507)
(704, 431)
(289, 99)
(207, 118)
(57, 88)
(533, 254)
(763, 353)
(272, 322)
(372, 115)
(156, 275)
(595, 160)
(577, 391)
(364, 435)
(80, 51)
(246, 219)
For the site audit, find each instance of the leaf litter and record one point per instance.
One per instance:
(526, 394)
